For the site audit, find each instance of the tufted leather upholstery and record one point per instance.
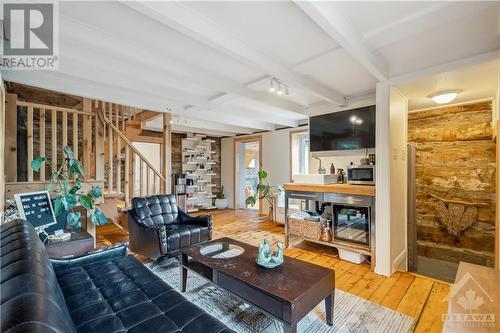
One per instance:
(103, 292)
(29, 286)
(158, 228)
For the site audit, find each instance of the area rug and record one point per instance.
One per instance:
(351, 313)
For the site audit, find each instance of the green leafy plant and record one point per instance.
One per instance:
(221, 193)
(264, 190)
(65, 182)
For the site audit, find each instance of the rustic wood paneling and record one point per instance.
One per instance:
(455, 158)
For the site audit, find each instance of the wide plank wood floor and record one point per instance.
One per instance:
(416, 296)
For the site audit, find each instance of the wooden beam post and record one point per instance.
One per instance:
(99, 145)
(42, 141)
(87, 134)
(3, 108)
(10, 153)
(53, 139)
(30, 143)
(166, 154)
(110, 149)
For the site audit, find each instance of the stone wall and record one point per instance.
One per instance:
(455, 159)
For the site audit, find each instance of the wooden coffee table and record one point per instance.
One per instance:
(287, 292)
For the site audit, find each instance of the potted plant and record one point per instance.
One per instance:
(266, 191)
(221, 201)
(65, 182)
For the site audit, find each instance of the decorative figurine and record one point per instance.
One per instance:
(267, 258)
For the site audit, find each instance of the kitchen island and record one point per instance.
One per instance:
(351, 209)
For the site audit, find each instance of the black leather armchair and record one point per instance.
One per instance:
(158, 228)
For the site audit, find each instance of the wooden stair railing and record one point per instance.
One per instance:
(120, 149)
(97, 135)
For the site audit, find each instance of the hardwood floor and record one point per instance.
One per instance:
(416, 296)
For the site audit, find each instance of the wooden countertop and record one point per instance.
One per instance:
(332, 188)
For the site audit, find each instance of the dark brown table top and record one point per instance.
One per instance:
(289, 281)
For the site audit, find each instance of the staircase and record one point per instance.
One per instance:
(101, 135)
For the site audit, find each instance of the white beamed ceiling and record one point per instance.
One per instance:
(212, 67)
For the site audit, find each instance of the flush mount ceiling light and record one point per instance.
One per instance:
(444, 97)
(278, 87)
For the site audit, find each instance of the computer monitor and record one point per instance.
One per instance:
(36, 208)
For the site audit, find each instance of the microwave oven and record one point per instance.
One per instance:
(361, 174)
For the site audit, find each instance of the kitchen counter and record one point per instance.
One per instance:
(332, 188)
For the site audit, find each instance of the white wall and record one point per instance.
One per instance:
(227, 174)
(275, 160)
(340, 159)
(399, 172)
(152, 152)
(390, 203)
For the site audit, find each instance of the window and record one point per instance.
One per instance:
(300, 153)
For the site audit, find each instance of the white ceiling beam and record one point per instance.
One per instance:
(186, 129)
(198, 126)
(334, 24)
(141, 53)
(76, 85)
(126, 79)
(178, 16)
(228, 118)
(85, 63)
(203, 125)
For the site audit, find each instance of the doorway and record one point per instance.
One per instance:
(452, 171)
(248, 163)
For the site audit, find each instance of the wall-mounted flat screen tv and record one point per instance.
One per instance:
(344, 130)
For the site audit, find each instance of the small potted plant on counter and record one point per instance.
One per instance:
(221, 201)
(266, 191)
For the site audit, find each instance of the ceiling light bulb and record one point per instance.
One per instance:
(444, 97)
(280, 90)
(353, 119)
(359, 121)
(272, 88)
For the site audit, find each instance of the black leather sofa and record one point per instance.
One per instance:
(158, 228)
(105, 291)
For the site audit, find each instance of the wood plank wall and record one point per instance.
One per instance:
(455, 144)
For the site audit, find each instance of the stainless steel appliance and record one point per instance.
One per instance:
(352, 218)
(361, 174)
(180, 190)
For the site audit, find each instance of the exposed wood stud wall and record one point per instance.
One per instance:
(455, 144)
(11, 138)
(42, 142)
(30, 142)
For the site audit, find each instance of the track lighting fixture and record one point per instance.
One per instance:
(272, 88)
(278, 87)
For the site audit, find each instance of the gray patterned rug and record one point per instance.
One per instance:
(352, 313)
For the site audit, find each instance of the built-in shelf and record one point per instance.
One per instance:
(201, 150)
